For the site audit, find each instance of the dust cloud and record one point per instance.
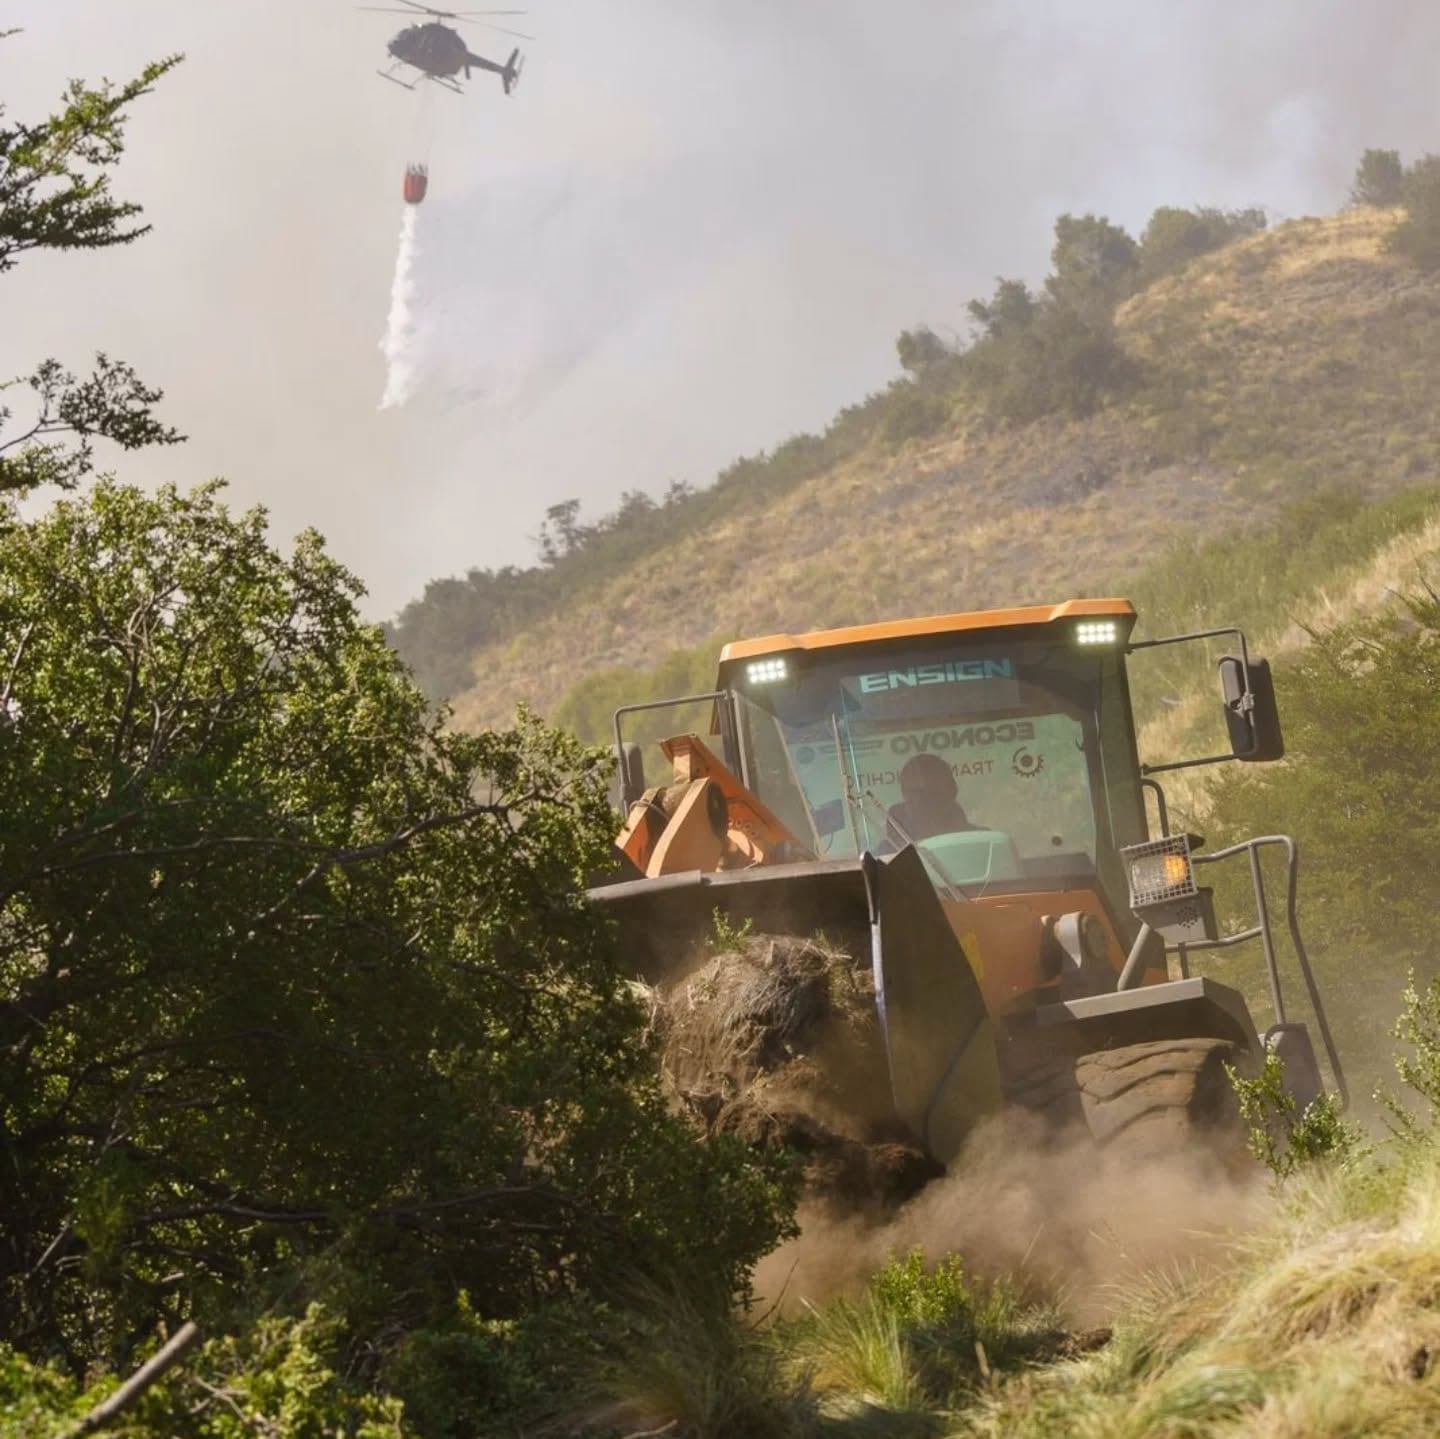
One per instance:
(1055, 1215)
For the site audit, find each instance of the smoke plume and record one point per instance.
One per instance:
(401, 345)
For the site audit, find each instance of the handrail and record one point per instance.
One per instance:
(1262, 930)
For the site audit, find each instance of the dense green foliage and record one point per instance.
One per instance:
(300, 996)
(1284, 1137)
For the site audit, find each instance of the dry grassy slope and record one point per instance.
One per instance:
(1301, 356)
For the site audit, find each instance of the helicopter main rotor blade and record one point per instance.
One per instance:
(412, 5)
(518, 34)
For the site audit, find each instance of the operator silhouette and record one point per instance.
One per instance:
(928, 806)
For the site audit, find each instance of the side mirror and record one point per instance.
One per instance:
(632, 774)
(1251, 714)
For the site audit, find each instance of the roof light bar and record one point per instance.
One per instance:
(766, 672)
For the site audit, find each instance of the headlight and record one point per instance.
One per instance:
(766, 672)
(1097, 632)
(1159, 871)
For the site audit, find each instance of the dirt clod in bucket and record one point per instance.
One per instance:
(776, 1039)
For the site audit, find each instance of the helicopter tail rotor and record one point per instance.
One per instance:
(510, 75)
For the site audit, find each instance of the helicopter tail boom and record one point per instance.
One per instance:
(509, 72)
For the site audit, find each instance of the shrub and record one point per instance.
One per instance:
(1174, 237)
(1417, 237)
(913, 414)
(920, 1338)
(1281, 1137)
(1379, 179)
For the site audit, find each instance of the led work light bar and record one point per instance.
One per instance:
(766, 672)
(1097, 632)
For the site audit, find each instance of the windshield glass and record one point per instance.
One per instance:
(1005, 763)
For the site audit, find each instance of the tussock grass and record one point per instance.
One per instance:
(1323, 1323)
(690, 1367)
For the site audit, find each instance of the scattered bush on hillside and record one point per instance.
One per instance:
(1379, 179)
(1174, 237)
(1417, 237)
(438, 634)
(921, 351)
(1056, 353)
(913, 414)
(1040, 356)
(302, 1001)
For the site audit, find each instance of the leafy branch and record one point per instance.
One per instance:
(55, 195)
(54, 189)
(112, 403)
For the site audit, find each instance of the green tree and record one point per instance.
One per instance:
(1095, 265)
(921, 350)
(1379, 179)
(1011, 310)
(1417, 237)
(290, 975)
(55, 195)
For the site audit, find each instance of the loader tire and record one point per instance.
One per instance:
(1164, 1097)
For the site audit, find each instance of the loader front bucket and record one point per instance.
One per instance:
(938, 1037)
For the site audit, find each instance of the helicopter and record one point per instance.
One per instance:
(438, 53)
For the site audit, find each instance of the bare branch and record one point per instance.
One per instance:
(169, 1355)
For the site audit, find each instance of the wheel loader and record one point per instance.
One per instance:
(964, 792)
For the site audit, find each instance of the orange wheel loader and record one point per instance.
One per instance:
(964, 793)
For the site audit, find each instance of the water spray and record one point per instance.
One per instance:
(401, 345)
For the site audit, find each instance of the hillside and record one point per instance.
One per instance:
(1292, 360)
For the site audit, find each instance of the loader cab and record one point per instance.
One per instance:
(1021, 720)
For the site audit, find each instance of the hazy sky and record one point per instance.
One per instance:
(695, 229)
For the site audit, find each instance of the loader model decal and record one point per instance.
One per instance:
(949, 673)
